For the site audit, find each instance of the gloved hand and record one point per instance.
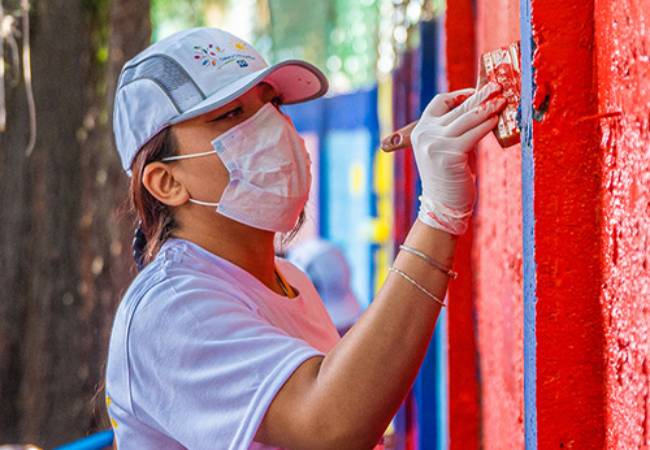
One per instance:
(443, 141)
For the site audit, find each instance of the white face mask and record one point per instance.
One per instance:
(269, 171)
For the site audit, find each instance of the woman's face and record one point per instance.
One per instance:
(206, 177)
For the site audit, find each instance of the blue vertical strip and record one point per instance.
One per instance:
(348, 130)
(431, 387)
(372, 125)
(314, 117)
(528, 209)
(323, 109)
(442, 372)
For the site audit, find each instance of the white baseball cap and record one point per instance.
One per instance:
(327, 268)
(193, 72)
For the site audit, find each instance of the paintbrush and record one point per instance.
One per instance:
(399, 139)
(500, 66)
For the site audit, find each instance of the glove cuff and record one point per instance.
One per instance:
(439, 216)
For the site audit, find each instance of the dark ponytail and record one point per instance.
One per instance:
(156, 221)
(139, 244)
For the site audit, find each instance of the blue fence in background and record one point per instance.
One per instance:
(348, 135)
(97, 441)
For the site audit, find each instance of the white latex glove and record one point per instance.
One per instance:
(443, 142)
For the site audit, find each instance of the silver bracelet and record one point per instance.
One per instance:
(447, 271)
(417, 285)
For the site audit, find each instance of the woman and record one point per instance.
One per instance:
(218, 343)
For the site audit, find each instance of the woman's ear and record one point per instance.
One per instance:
(160, 181)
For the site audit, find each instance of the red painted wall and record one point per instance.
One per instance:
(464, 414)
(623, 62)
(592, 230)
(568, 214)
(498, 256)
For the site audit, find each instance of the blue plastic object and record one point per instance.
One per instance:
(97, 441)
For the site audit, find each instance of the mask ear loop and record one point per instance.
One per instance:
(194, 155)
(203, 203)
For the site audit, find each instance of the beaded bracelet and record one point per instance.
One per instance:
(417, 285)
(446, 270)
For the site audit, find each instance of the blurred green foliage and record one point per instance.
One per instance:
(338, 36)
(353, 43)
(178, 14)
(298, 29)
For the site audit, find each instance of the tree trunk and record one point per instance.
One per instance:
(65, 256)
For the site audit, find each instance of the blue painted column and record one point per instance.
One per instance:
(528, 193)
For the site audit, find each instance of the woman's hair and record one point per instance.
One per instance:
(156, 218)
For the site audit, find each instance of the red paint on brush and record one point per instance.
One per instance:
(464, 431)
(498, 260)
(569, 326)
(623, 58)
(503, 66)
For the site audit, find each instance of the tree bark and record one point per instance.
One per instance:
(65, 237)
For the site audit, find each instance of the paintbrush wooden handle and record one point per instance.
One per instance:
(400, 139)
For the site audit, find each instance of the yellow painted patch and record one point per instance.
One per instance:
(114, 423)
(108, 402)
(357, 179)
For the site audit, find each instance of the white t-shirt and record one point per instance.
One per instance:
(200, 347)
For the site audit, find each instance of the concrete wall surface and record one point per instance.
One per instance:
(622, 29)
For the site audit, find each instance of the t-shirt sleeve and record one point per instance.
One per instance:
(204, 366)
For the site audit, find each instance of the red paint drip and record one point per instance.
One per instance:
(602, 116)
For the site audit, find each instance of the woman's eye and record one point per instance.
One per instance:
(232, 114)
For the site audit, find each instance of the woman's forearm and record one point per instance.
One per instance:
(347, 398)
(365, 378)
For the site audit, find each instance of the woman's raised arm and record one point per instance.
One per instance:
(346, 399)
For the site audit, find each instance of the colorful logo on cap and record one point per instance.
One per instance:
(239, 46)
(210, 56)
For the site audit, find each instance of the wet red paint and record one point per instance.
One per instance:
(456, 101)
(464, 415)
(568, 165)
(503, 66)
(623, 56)
(498, 259)
(592, 207)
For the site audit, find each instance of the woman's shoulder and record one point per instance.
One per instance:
(179, 259)
(180, 275)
